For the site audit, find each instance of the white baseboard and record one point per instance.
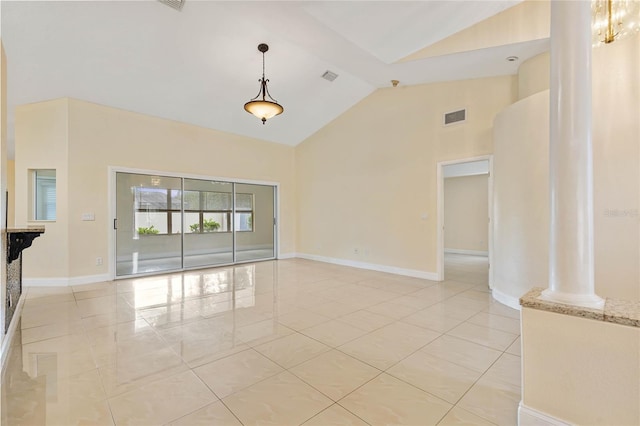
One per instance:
(371, 266)
(469, 252)
(287, 256)
(505, 299)
(65, 282)
(528, 416)
(7, 339)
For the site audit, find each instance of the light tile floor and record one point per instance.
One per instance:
(282, 343)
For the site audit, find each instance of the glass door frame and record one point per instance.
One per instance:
(111, 223)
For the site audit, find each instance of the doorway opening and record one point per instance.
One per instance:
(464, 220)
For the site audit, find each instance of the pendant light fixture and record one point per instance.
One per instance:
(614, 19)
(259, 106)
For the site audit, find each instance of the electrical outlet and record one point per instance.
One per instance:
(356, 250)
(98, 261)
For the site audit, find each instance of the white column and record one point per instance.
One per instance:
(571, 259)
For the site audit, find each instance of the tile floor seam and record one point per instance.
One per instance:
(471, 387)
(303, 335)
(386, 371)
(348, 355)
(459, 364)
(501, 316)
(231, 411)
(113, 418)
(372, 379)
(471, 341)
(197, 409)
(244, 387)
(334, 403)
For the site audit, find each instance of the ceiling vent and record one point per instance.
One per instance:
(455, 117)
(176, 4)
(329, 75)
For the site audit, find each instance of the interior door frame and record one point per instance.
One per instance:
(112, 196)
(440, 214)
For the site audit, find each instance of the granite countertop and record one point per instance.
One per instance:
(625, 312)
(27, 229)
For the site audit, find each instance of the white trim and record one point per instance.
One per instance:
(115, 169)
(469, 252)
(510, 301)
(283, 256)
(7, 338)
(371, 266)
(440, 213)
(65, 282)
(112, 214)
(528, 416)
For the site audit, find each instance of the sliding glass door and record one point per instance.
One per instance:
(170, 223)
(208, 216)
(148, 223)
(254, 222)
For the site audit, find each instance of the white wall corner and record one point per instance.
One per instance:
(433, 276)
(528, 416)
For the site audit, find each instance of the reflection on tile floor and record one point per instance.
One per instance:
(281, 342)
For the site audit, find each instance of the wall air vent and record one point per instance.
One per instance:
(329, 76)
(176, 4)
(455, 117)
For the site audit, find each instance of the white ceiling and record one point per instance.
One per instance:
(201, 64)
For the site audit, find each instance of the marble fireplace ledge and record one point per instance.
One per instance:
(35, 228)
(624, 312)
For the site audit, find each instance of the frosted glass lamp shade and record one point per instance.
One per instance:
(263, 109)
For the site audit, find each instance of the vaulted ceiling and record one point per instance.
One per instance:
(200, 65)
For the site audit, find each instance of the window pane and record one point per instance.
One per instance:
(150, 198)
(244, 221)
(217, 201)
(244, 201)
(150, 223)
(176, 223)
(176, 199)
(45, 195)
(191, 222)
(192, 200)
(219, 218)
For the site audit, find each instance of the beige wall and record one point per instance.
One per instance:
(521, 197)
(11, 188)
(533, 75)
(99, 137)
(3, 186)
(581, 371)
(41, 132)
(466, 213)
(521, 181)
(367, 180)
(616, 153)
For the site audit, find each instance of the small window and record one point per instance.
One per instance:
(44, 200)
